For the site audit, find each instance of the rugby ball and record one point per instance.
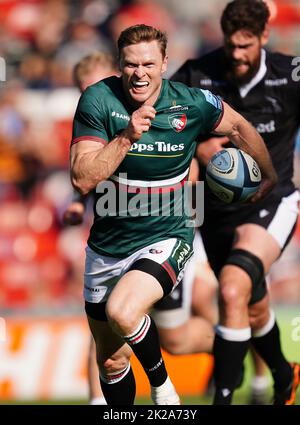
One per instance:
(233, 175)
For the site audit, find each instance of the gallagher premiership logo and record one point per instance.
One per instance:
(177, 122)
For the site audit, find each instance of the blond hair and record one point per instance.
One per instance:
(89, 62)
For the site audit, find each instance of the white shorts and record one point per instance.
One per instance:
(165, 260)
(175, 309)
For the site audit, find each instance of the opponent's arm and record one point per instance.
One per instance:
(92, 162)
(243, 135)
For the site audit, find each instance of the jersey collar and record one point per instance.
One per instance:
(161, 93)
(244, 90)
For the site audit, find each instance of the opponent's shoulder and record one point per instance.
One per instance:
(283, 73)
(280, 63)
(208, 61)
(209, 66)
(278, 58)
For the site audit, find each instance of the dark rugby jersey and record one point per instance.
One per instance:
(272, 105)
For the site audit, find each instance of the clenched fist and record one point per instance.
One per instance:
(140, 122)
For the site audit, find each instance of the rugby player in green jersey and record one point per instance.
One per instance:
(139, 133)
(185, 318)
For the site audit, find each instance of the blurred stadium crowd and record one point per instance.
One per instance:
(41, 261)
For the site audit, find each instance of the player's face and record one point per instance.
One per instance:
(142, 66)
(243, 50)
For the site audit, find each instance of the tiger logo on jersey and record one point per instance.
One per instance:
(177, 122)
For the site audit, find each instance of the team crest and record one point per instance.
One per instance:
(177, 121)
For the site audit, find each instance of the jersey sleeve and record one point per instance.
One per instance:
(211, 109)
(89, 119)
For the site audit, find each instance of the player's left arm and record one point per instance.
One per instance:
(243, 135)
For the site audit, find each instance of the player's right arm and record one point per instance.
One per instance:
(243, 135)
(93, 162)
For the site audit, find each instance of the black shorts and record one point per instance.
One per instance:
(278, 217)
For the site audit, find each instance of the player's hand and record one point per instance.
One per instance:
(205, 150)
(140, 122)
(266, 185)
(74, 214)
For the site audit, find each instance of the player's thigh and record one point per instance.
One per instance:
(258, 241)
(134, 295)
(268, 228)
(111, 280)
(154, 272)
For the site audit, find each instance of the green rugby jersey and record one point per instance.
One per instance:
(140, 205)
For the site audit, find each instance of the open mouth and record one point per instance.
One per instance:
(240, 64)
(139, 84)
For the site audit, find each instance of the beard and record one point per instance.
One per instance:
(242, 72)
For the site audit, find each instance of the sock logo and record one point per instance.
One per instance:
(152, 369)
(225, 392)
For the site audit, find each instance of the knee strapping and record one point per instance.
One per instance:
(253, 266)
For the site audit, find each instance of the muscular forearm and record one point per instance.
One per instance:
(91, 168)
(92, 164)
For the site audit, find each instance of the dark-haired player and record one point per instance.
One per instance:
(242, 241)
